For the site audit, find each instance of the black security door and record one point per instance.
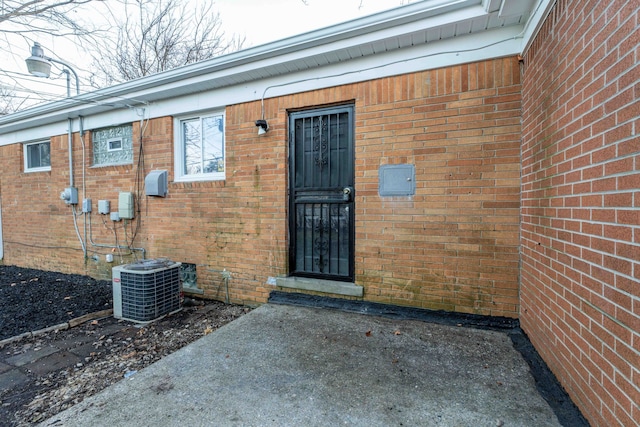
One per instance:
(321, 193)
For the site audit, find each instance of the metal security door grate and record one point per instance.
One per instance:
(322, 177)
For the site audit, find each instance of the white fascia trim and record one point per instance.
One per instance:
(491, 5)
(33, 134)
(392, 21)
(306, 53)
(113, 108)
(97, 120)
(459, 50)
(537, 17)
(309, 53)
(496, 43)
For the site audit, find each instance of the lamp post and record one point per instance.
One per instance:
(39, 65)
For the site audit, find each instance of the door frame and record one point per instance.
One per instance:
(311, 112)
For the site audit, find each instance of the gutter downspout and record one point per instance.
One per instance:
(70, 137)
(84, 183)
(71, 182)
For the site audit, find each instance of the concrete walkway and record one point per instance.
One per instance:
(282, 365)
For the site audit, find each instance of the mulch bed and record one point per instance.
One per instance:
(32, 299)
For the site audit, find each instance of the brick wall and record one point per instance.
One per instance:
(453, 246)
(580, 290)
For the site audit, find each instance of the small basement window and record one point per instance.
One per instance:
(189, 277)
(37, 156)
(113, 145)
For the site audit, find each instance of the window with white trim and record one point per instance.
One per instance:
(199, 147)
(37, 156)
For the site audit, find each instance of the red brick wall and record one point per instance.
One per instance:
(580, 290)
(453, 246)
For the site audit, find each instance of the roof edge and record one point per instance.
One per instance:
(342, 31)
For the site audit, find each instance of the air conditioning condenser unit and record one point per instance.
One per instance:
(146, 290)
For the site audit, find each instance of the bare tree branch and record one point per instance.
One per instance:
(9, 102)
(33, 20)
(158, 35)
(40, 16)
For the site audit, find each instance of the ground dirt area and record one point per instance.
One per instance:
(44, 374)
(33, 299)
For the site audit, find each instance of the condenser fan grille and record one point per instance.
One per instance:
(144, 294)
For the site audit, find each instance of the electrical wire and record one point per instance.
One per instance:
(376, 67)
(40, 246)
(28, 77)
(23, 97)
(112, 247)
(75, 226)
(115, 234)
(139, 179)
(28, 245)
(52, 96)
(84, 183)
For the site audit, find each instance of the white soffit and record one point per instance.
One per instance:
(438, 25)
(491, 5)
(515, 7)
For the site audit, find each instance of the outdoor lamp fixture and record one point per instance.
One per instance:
(263, 126)
(40, 66)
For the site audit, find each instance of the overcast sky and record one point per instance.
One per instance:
(265, 21)
(260, 21)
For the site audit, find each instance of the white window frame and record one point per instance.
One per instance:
(25, 148)
(179, 152)
(112, 140)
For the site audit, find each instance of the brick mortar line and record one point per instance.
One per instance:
(77, 321)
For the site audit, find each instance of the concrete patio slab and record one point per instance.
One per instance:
(283, 365)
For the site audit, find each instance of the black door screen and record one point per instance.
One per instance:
(321, 193)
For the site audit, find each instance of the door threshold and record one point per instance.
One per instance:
(321, 285)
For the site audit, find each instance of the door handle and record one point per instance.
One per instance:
(347, 194)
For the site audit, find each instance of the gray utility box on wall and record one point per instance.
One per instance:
(156, 183)
(397, 180)
(146, 290)
(125, 205)
(104, 207)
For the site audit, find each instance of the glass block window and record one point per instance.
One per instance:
(113, 145)
(37, 156)
(199, 147)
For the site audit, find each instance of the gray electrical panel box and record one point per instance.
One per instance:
(104, 207)
(125, 205)
(156, 183)
(86, 205)
(397, 180)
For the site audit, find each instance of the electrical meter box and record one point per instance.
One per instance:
(125, 205)
(70, 195)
